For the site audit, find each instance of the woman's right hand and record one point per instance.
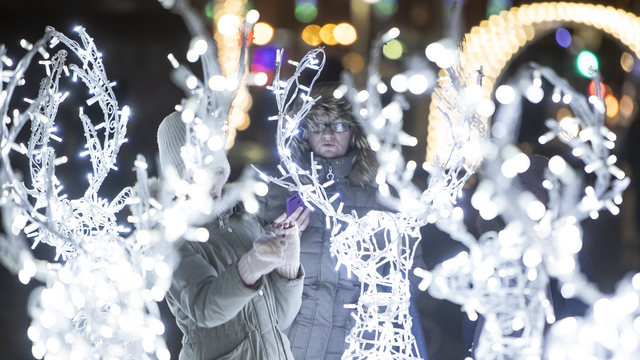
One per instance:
(300, 216)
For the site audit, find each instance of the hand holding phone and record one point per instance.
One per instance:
(293, 202)
(296, 212)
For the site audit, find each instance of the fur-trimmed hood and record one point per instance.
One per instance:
(365, 165)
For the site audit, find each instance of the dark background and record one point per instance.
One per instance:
(135, 37)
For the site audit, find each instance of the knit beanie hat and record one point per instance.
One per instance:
(531, 180)
(172, 136)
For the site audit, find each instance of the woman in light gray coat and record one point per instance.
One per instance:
(232, 294)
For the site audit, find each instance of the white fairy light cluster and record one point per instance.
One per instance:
(505, 277)
(367, 244)
(205, 112)
(100, 293)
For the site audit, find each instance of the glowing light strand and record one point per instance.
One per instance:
(506, 277)
(100, 301)
(379, 239)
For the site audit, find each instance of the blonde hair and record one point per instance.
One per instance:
(328, 107)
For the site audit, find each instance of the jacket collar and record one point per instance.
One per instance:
(340, 167)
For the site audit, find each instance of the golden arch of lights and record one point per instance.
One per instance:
(496, 40)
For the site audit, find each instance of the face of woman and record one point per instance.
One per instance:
(332, 141)
(218, 182)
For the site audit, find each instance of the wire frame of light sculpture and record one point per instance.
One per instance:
(101, 289)
(498, 39)
(379, 246)
(205, 111)
(506, 277)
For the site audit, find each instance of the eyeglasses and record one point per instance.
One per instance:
(335, 127)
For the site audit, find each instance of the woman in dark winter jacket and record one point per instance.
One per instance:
(232, 294)
(340, 147)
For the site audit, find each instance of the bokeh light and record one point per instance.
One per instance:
(505, 94)
(345, 34)
(627, 62)
(418, 84)
(306, 12)
(262, 33)
(229, 24)
(353, 62)
(311, 35)
(626, 106)
(585, 61)
(385, 8)
(612, 105)
(563, 37)
(263, 59)
(208, 9)
(326, 34)
(393, 49)
(399, 83)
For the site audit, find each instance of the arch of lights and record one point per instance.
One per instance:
(496, 40)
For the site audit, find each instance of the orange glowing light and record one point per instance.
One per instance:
(612, 105)
(326, 34)
(311, 35)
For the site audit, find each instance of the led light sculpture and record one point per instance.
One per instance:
(378, 247)
(506, 276)
(100, 293)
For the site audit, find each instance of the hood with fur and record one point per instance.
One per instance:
(365, 164)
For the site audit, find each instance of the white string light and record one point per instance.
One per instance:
(505, 278)
(366, 244)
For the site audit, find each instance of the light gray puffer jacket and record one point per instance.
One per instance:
(220, 317)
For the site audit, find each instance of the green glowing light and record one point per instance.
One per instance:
(306, 12)
(393, 49)
(585, 61)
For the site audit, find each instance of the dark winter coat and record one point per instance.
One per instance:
(322, 324)
(220, 317)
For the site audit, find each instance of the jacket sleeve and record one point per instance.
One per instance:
(288, 296)
(208, 296)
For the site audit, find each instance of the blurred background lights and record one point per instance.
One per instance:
(252, 16)
(393, 49)
(486, 107)
(311, 35)
(345, 34)
(353, 62)
(306, 10)
(399, 83)
(260, 79)
(262, 33)
(611, 103)
(627, 62)
(326, 34)
(626, 106)
(585, 61)
(229, 24)
(505, 94)
(534, 94)
(440, 54)
(385, 8)
(418, 84)
(563, 37)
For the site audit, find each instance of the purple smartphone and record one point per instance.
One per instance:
(293, 202)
